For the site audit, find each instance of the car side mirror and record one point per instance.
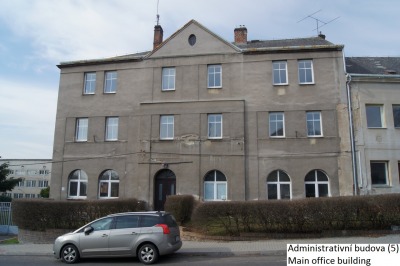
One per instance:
(88, 230)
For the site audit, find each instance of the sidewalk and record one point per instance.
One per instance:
(217, 248)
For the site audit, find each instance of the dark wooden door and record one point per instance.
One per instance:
(165, 185)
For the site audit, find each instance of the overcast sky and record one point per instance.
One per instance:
(36, 35)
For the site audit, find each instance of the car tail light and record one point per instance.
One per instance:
(164, 227)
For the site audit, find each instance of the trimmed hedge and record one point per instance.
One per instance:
(181, 206)
(311, 215)
(39, 215)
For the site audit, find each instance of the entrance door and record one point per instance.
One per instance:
(165, 184)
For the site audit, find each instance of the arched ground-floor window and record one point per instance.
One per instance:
(278, 185)
(77, 184)
(109, 184)
(215, 186)
(316, 184)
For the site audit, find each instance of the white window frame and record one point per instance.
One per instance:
(110, 82)
(316, 182)
(168, 79)
(81, 132)
(109, 183)
(386, 164)
(314, 123)
(303, 70)
(212, 72)
(215, 184)
(112, 123)
(43, 183)
(278, 67)
(167, 124)
(278, 184)
(90, 83)
(273, 119)
(79, 181)
(396, 124)
(381, 112)
(214, 123)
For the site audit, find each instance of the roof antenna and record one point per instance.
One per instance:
(318, 21)
(158, 16)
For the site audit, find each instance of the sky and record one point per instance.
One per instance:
(36, 35)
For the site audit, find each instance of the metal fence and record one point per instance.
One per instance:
(5, 217)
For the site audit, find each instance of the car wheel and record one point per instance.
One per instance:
(69, 254)
(148, 254)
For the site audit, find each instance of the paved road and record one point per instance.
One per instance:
(171, 260)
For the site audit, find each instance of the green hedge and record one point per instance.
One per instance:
(311, 215)
(39, 215)
(181, 206)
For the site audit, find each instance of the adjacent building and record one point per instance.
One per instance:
(374, 83)
(35, 175)
(241, 120)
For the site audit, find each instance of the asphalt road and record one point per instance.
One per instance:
(174, 259)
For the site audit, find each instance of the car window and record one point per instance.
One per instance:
(170, 221)
(103, 224)
(129, 221)
(149, 221)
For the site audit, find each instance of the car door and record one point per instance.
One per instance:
(95, 243)
(124, 235)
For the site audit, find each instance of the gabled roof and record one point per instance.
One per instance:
(185, 27)
(373, 65)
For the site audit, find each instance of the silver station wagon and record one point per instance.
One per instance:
(145, 235)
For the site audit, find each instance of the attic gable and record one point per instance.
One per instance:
(202, 41)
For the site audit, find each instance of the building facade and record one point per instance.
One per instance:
(375, 92)
(35, 175)
(247, 120)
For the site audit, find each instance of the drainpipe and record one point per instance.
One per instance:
(353, 145)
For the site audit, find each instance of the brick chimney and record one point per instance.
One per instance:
(241, 34)
(158, 36)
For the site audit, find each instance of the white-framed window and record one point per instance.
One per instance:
(90, 83)
(20, 183)
(276, 124)
(379, 172)
(77, 184)
(44, 172)
(109, 184)
(215, 186)
(396, 115)
(214, 76)
(112, 128)
(30, 183)
(30, 196)
(110, 82)
(375, 116)
(280, 75)
(316, 184)
(81, 129)
(215, 126)
(314, 124)
(278, 185)
(167, 127)
(43, 183)
(306, 73)
(168, 78)
(18, 195)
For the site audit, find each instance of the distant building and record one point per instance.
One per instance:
(35, 174)
(248, 120)
(375, 88)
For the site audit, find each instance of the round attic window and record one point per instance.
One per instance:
(192, 39)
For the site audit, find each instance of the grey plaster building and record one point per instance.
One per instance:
(247, 120)
(374, 83)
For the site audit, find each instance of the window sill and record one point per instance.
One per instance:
(305, 84)
(76, 198)
(167, 139)
(377, 127)
(88, 94)
(315, 137)
(167, 90)
(381, 186)
(110, 93)
(283, 84)
(212, 88)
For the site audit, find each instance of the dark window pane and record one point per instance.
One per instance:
(272, 191)
(114, 189)
(273, 177)
(310, 190)
(323, 190)
(129, 221)
(82, 191)
(73, 189)
(321, 176)
(285, 191)
(396, 115)
(283, 177)
(378, 173)
(220, 176)
(310, 176)
(149, 221)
